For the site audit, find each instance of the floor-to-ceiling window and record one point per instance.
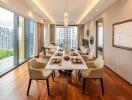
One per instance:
(66, 35)
(21, 39)
(6, 40)
(32, 38)
(17, 39)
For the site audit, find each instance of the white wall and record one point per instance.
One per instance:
(119, 60)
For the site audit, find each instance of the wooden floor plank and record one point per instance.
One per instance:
(13, 86)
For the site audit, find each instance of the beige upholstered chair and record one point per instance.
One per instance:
(83, 50)
(43, 56)
(88, 57)
(51, 51)
(38, 72)
(94, 71)
(50, 48)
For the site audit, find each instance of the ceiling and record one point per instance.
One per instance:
(79, 11)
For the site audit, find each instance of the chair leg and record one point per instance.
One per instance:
(78, 73)
(53, 76)
(30, 80)
(84, 81)
(54, 73)
(102, 86)
(47, 86)
(79, 77)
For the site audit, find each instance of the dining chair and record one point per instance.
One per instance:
(37, 72)
(83, 50)
(94, 71)
(51, 51)
(46, 51)
(43, 56)
(88, 57)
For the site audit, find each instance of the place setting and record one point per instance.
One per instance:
(56, 61)
(58, 54)
(73, 54)
(76, 60)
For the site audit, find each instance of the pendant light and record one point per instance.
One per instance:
(66, 16)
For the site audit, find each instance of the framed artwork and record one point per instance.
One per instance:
(92, 40)
(122, 35)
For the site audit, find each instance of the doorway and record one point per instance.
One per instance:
(99, 37)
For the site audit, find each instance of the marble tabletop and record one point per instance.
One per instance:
(66, 65)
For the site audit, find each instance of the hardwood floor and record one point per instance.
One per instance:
(13, 86)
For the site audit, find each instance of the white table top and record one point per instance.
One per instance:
(66, 65)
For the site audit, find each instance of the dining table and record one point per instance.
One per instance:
(66, 64)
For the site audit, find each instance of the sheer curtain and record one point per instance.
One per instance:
(36, 42)
(46, 33)
(40, 36)
(80, 34)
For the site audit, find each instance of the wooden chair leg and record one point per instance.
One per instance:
(102, 86)
(78, 73)
(53, 76)
(54, 73)
(79, 77)
(84, 82)
(37, 81)
(47, 86)
(30, 80)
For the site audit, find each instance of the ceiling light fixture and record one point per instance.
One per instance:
(66, 20)
(66, 16)
(87, 11)
(43, 10)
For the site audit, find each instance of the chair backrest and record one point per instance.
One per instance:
(99, 62)
(33, 64)
(41, 55)
(43, 50)
(34, 74)
(83, 49)
(98, 71)
(90, 55)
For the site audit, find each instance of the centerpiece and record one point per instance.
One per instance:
(66, 52)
